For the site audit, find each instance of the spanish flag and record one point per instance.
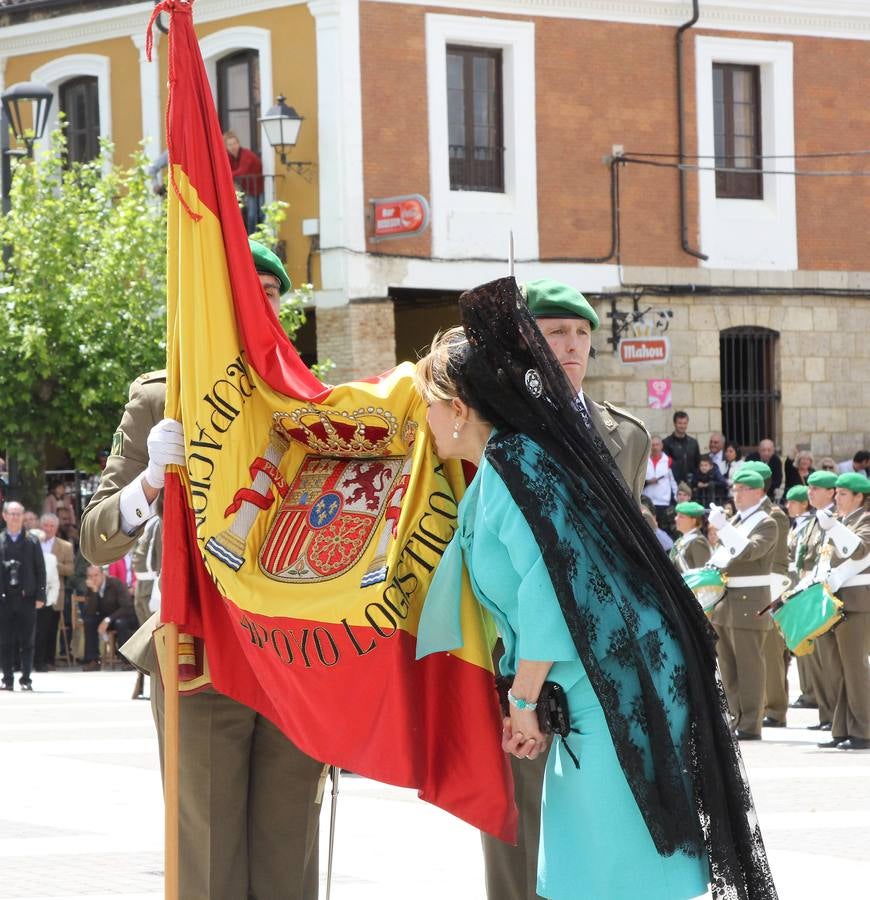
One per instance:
(302, 537)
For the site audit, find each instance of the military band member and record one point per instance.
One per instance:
(776, 654)
(797, 506)
(748, 544)
(249, 799)
(692, 550)
(566, 320)
(846, 549)
(817, 665)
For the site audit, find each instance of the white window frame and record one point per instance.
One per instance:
(230, 40)
(55, 73)
(749, 234)
(467, 224)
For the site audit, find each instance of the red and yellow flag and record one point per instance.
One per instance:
(301, 540)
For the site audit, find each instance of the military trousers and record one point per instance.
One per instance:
(776, 660)
(742, 665)
(850, 672)
(512, 872)
(249, 803)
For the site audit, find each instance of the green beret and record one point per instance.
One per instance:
(798, 492)
(756, 465)
(550, 299)
(822, 479)
(854, 482)
(749, 478)
(695, 510)
(266, 261)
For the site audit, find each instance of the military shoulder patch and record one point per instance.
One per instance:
(118, 444)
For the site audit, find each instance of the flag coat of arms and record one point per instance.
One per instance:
(302, 536)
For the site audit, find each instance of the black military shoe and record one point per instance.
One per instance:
(854, 744)
(746, 736)
(822, 726)
(803, 703)
(769, 722)
(834, 742)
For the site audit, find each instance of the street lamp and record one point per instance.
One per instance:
(281, 124)
(11, 116)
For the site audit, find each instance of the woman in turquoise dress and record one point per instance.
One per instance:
(646, 796)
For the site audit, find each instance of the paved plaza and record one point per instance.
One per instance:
(81, 811)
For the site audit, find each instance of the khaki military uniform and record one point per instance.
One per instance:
(846, 648)
(798, 540)
(249, 800)
(512, 872)
(691, 551)
(816, 665)
(742, 633)
(776, 654)
(147, 561)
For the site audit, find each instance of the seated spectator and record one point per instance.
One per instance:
(659, 486)
(860, 462)
(103, 597)
(767, 454)
(798, 468)
(123, 623)
(710, 486)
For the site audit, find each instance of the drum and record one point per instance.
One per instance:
(708, 585)
(806, 615)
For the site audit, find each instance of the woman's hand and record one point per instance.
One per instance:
(521, 735)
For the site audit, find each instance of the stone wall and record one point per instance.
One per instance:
(823, 365)
(359, 337)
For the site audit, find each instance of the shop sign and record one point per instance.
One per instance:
(399, 217)
(635, 351)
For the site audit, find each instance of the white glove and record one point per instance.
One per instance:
(825, 519)
(165, 448)
(717, 517)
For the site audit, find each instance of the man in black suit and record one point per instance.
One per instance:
(105, 598)
(22, 592)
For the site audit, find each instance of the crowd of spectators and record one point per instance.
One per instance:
(678, 472)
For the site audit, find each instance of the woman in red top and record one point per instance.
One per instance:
(248, 174)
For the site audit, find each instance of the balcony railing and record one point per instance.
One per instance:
(482, 169)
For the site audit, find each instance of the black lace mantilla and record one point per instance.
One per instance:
(641, 635)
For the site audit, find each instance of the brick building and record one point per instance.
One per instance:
(638, 152)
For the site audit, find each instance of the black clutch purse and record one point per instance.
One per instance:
(552, 709)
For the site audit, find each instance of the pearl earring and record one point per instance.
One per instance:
(456, 431)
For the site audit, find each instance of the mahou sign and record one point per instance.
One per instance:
(637, 351)
(398, 217)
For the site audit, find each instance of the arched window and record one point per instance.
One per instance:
(750, 384)
(238, 96)
(80, 103)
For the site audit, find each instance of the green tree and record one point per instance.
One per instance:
(83, 304)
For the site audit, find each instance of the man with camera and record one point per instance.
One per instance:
(22, 592)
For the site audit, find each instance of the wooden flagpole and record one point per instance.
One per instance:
(170, 763)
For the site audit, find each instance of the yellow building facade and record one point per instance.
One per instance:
(92, 57)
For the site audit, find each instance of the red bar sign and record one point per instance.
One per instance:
(398, 217)
(636, 351)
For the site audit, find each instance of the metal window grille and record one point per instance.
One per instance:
(750, 393)
(238, 95)
(475, 119)
(80, 104)
(737, 130)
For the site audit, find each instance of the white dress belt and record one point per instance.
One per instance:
(748, 581)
